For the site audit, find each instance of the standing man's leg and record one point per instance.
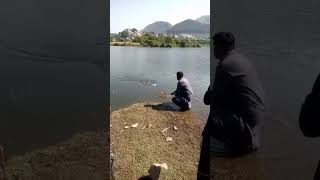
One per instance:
(2, 164)
(204, 161)
(317, 174)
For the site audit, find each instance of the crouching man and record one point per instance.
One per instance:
(182, 95)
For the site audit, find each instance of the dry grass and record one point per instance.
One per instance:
(136, 149)
(82, 157)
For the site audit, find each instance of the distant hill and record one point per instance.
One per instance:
(190, 26)
(204, 19)
(158, 27)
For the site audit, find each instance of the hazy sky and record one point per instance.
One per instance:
(139, 13)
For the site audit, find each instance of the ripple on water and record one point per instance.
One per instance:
(143, 80)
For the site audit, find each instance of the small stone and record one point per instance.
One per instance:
(134, 125)
(158, 171)
(163, 165)
(126, 127)
(169, 139)
(175, 128)
(149, 126)
(164, 130)
(144, 127)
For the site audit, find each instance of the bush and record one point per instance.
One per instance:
(183, 44)
(136, 40)
(156, 44)
(168, 45)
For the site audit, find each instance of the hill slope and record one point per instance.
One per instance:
(204, 19)
(190, 26)
(158, 27)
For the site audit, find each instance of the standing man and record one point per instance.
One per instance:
(236, 104)
(309, 117)
(182, 93)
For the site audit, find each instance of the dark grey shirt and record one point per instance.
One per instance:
(236, 101)
(237, 88)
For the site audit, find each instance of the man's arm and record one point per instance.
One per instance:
(177, 89)
(316, 86)
(206, 98)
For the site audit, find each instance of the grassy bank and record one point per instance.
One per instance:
(126, 43)
(136, 149)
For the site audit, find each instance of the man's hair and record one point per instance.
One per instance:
(179, 74)
(224, 40)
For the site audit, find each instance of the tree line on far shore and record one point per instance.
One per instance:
(159, 40)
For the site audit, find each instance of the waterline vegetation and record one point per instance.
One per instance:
(132, 37)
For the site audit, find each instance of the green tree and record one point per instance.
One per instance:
(124, 34)
(183, 43)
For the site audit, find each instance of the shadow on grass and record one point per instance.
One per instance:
(154, 173)
(167, 106)
(145, 178)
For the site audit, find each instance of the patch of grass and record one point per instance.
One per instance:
(136, 149)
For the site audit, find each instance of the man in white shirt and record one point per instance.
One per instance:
(182, 93)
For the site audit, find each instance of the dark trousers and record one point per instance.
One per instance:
(181, 102)
(204, 161)
(317, 174)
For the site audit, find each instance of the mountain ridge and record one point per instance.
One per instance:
(157, 27)
(204, 19)
(200, 25)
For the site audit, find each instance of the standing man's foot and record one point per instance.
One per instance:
(203, 176)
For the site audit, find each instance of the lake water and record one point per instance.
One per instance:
(141, 74)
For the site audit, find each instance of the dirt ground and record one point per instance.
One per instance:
(82, 157)
(135, 149)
